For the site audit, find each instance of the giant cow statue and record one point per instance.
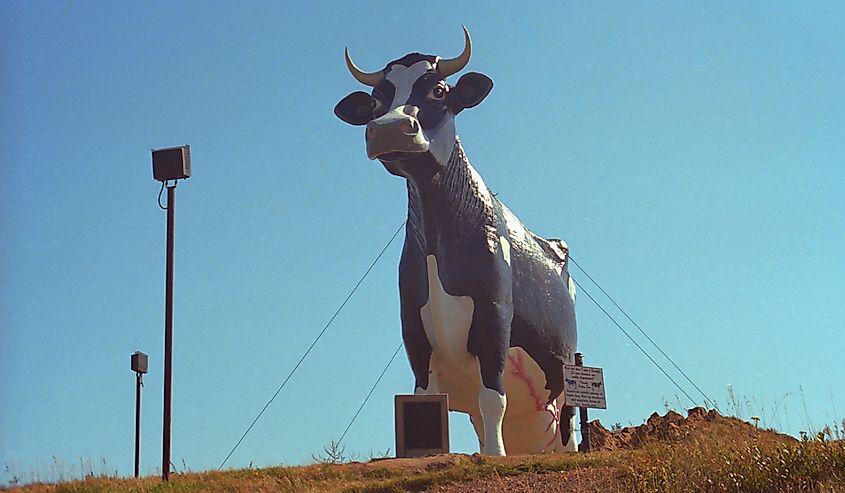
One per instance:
(488, 307)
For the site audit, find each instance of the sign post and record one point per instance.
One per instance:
(584, 388)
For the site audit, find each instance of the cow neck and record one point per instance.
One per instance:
(448, 206)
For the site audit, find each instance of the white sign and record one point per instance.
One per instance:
(583, 386)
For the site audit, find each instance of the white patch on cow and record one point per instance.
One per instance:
(506, 249)
(561, 254)
(442, 139)
(572, 288)
(515, 227)
(492, 405)
(491, 235)
(446, 320)
(403, 79)
(561, 247)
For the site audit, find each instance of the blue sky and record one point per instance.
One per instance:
(692, 155)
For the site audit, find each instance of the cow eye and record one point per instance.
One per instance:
(437, 93)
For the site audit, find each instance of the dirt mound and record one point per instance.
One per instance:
(673, 427)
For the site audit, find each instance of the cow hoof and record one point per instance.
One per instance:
(495, 452)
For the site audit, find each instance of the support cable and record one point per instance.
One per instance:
(581, 288)
(371, 393)
(342, 305)
(707, 400)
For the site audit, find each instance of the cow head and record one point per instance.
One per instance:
(410, 114)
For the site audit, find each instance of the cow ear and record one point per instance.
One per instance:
(470, 90)
(355, 109)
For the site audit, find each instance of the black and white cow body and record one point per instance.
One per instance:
(488, 312)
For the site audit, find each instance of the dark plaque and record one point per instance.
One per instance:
(422, 425)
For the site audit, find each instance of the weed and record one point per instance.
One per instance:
(333, 453)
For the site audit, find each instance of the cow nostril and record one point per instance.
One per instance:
(411, 110)
(369, 133)
(409, 126)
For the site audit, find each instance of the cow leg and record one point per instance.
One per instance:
(413, 292)
(419, 356)
(492, 402)
(492, 405)
(432, 388)
(418, 350)
(489, 340)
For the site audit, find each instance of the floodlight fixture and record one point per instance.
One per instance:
(172, 163)
(139, 362)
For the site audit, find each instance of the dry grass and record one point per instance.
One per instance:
(744, 466)
(708, 455)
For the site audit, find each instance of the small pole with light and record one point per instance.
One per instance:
(139, 366)
(169, 164)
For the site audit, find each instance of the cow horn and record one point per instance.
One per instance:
(455, 65)
(370, 79)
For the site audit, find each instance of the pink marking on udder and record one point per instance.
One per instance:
(519, 372)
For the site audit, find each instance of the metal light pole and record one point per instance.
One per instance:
(168, 336)
(169, 164)
(139, 366)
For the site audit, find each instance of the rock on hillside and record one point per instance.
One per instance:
(673, 427)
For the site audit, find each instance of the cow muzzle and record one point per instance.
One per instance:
(396, 133)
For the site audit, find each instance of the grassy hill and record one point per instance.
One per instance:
(700, 452)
